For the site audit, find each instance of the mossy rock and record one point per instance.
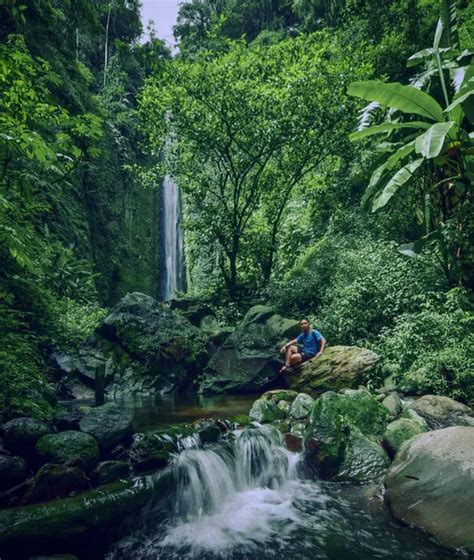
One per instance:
(278, 395)
(21, 434)
(242, 419)
(13, 470)
(67, 447)
(151, 450)
(108, 471)
(55, 481)
(399, 431)
(110, 424)
(301, 406)
(364, 459)
(393, 404)
(265, 411)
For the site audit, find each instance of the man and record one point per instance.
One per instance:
(312, 343)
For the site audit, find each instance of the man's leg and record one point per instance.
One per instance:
(292, 357)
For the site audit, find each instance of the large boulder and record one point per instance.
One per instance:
(266, 411)
(69, 447)
(430, 485)
(13, 471)
(110, 424)
(246, 361)
(55, 481)
(337, 368)
(21, 434)
(442, 412)
(143, 346)
(152, 450)
(341, 426)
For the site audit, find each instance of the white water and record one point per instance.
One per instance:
(172, 239)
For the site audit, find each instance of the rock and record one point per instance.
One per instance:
(242, 419)
(442, 412)
(415, 382)
(209, 324)
(338, 367)
(393, 404)
(68, 419)
(74, 516)
(285, 407)
(151, 450)
(55, 481)
(412, 415)
(430, 485)
(110, 424)
(399, 431)
(331, 420)
(265, 411)
(145, 346)
(301, 406)
(68, 447)
(13, 471)
(298, 428)
(364, 459)
(246, 361)
(21, 434)
(278, 395)
(193, 309)
(293, 442)
(108, 471)
(209, 432)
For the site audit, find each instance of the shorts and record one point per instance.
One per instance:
(306, 356)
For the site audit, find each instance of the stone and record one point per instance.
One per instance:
(68, 419)
(108, 471)
(193, 309)
(337, 368)
(301, 406)
(364, 459)
(293, 442)
(265, 411)
(21, 434)
(277, 395)
(393, 404)
(242, 419)
(415, 417)
(430, 485)
(331, 420)
(151, 450)
(55, 481)
(285, 407)
(13, 471)
(69, 447)
(442, 412)
(400, 431)
(209, 432)
(110, 424)
(247, 360)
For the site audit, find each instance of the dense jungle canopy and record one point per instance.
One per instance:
(325, 154)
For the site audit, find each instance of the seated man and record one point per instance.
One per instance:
(312, 343)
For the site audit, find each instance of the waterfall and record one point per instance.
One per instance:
(173, 273)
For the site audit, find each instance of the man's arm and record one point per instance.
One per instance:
(285, 346)
(323, 344)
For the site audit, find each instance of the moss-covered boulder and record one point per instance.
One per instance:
(21, 434)
(430, 485)
(400, 431)
(301, 406)
(337, 368)
(277, 395)
(332, 420)
(393, 404)
(55, 481)
(145, 346)
(265, 411)
(69, 447)
(110, 424)
(152, 450)
(13, 470)
(108, 471)
(442, 412)
(246, 361)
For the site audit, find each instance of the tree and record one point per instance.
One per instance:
(247, 127)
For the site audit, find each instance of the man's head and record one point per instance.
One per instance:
(304, 324)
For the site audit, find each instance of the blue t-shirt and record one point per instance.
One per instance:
(311, 342)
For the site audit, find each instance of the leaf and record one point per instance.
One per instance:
(458, 101)
(412, 249)
(430, 144)
(404, 98)
(386, 127)
(402, 176)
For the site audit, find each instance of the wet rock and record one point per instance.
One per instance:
(68, 419)
(338, 367)
(55, 481)
(285, 407)
(193, 309)
(442, 412)
(151, 450)
(364, 459)
(331, 420)
(109, 424)
(209, 432)
(246, 361)
(393, 404)
(108, 471)
(400, 431)
(293, 442)
(265, 411)
(13, 471)
(278, 395)
(412, 415)
(301, 406)
(429, 485)
(242, 419)
(21, 434)
(69, 447)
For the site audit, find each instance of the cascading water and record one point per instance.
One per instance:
(246, 498)
(173, 273)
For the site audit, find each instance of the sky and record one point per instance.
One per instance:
(163, 13)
